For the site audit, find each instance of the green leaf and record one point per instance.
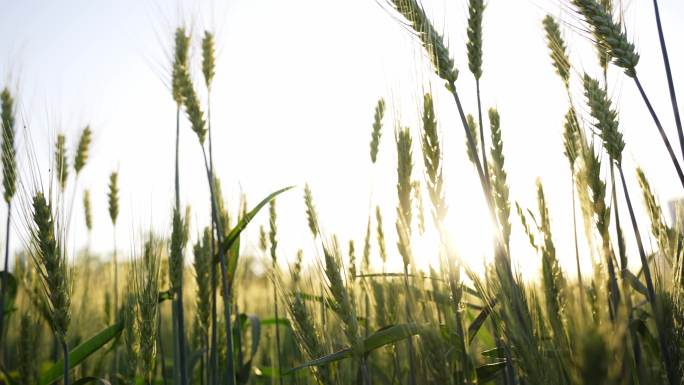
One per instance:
(81, 352)
(86, 380)
(164, 296)
(380, 338)
(489, 372)
(242, 224)
(635, 283)
(272, 321)
(478, 322)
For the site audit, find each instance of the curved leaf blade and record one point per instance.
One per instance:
(81, 352)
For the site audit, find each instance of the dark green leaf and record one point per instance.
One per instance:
(81, 352)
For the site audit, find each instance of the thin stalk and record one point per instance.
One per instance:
(500, 249)
(574, 228)
(669, 369)
(178, 301)
(623, 275)
(680, 174)
(409, 340)
(160, 342)
(668, 73)
(116, 295)
(65, 353)
(277, 331)
(224, 272)
(5, 276)
(212, 368)
(482, 137)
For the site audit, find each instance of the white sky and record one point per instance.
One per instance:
(293, 101)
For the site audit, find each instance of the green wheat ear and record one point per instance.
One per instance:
(605, 116)
(113, 196)
(472, 127)
(180, 62)
(87, 210)
(571, 136)
(432, 158)
(499, 176)
(52, 266)
(559, 54)
(208, 58)
(608, 32)
(474, 45)
(61, 162)
(82, 151)
(431, 40)
(9, 162)
(377, 127)
(311, 215)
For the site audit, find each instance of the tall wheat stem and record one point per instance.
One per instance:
(668, 73)
(178, 302)
(224, 270)
(6, 275)
(667, 362)
(666, 141)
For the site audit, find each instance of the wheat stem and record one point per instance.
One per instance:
(667, 362)
(668, 73)
(666, 141)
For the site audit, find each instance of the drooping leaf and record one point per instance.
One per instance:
(488, 372)
(89, 379)
(385, 336)
(81, 352)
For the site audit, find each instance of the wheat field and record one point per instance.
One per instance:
(191, 306)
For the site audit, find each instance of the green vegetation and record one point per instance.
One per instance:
(158, 319)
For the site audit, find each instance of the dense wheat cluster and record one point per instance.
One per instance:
(194, 310)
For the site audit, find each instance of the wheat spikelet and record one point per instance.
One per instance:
(87, 210)
(311, 216)
(28, 349)
(472, 127)
(606, 118)
(180, 62)
(571, 138)
(474, 45)
(61, 161)
(608, 32)
(559, 54)
(82, 150)
(431, 40)
(432, 158)
(113, 196)
(178, 241)
(52, 266)
(9, 163)
(377, 129)
(202, 265)
(130, 337)
(208, 58)
(380, 235)
(499, 176)
(146, 283)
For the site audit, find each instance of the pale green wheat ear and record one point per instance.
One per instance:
(52, 266)
(380, 235)
(431, 40)
(146, 282)
(9, 162)
(263, 240)
(559, 54)
(178, 241)
(208, 58)
(605, 116)
(61, 162)
(82, 151)
(87, 210)
(608, 32)
(499, 176)
(571, 137)
(474, 45)
(180, 62)
(404, 170)
(130, 337)
(432, 158)
(472, 127)
(377, 127)
(113, 196)
(202, 264)
(311, 215)
(192, 106)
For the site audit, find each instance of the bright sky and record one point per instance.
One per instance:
(293, 102)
